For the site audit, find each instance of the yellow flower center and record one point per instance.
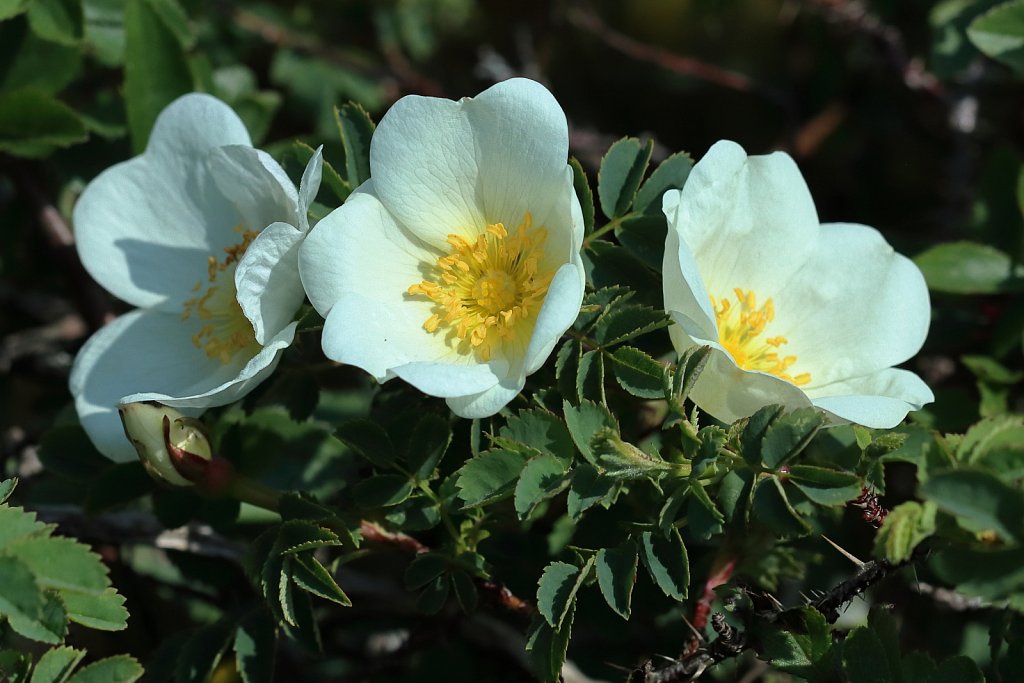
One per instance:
(225, 330)
(488, 291)
(740, 327)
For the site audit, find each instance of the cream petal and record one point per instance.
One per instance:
(144, 228)
(880, 400)
(559, 311)
(309, 186)
(485, 403)
(749, 222)
(682, 286)
(444, 167)
(359, 247)
(256, 184)
(855, 307)
(267, 280)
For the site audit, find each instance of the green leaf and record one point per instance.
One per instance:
(21, 599)
(999, 33)
(979, 500)
(296, 536)
(424, 568)
(59, 21)
(628, 321)
(309, 575)
(584, 421)
(904, 528)
(567, 365)
(61, 563)
(788, 435)
(864, 659)
(331, 178)
(622, 169)
(12, 8)
(616, 574)
(771, 506)
(356, 130)
(369, 440)
(670, 174)
(556, 591)
(548, 647)
(7, 487)
(958, 669)
(801, 652)
(119, 669)
(104, 30)
(622, 460)
(667, 563)
(104, 611)
(581, 185)
(825, 486)
(969, 268)
(33, 124)
(989, 370)
(56, 665)
(590, 377)
(638, 373)
(754, 430)
(542, 478)
(51, 625)
(255, 641)
(14, 666)
(434, 596)
(688, 367)
(588, 489)
(202, 652)
(542, 431)
(644, 236)
(156, 71)
(465, 591)
(429, 442)
(488, 477)
(176, 19)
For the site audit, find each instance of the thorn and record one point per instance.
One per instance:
(620, 667)
(666, 658)
(807, 600)
(847, 555)
(778, 605)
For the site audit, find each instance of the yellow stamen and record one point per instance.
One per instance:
(225, 329)
(487, 292)
(739, 329)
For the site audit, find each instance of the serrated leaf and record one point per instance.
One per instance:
(622, 169)
(969, 268)
(864, 659)
(429, 442)
(638, 373)
(465, 591)
(754, 431)
(628, 321)
(670, 174)
(542, 478)
(311, 576)
(548, 647)
(622, 460)
(104, 611)
(156, 71)
(771, 506)
(7, 487)
(303, 626)
(384, 490)
(295, 536)
(424, 568)
(32, 123)
(979, 500)
(488, 477)
(958, 669)
(255, 640)
(51, 625)
(667, 563)
(356, 130)
(588, 489)
(590, 377)
(904, 528)
(643, 236)
(542, 431)
(584, 421)
(56, 665)
(567, 365)
(799, 652)
(788, 435)
(118, 669)
(16, 524)
(433, 597)
(556, 591)
(689, 366)
(825, 486)
(581, 185)
(369, 440)
(21, 599)
(999, 33)
(616, 574)
(61, 563)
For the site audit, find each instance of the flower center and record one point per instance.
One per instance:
(740, 327)
(488, 291)
(225, 330)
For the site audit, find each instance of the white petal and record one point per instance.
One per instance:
(256, 184)
(145, 227)
(444, 167)
(559, 311)
(309, 186)
(729, 393)
(749, 222)
(880, 400)
(267, 280)
(682, 285)
(855, 307)
(359, 247)
(485, 403)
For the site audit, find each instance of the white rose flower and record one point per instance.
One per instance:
(457, 266)
(201, 233)
(796, 313)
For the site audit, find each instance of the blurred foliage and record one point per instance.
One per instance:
(599, 510)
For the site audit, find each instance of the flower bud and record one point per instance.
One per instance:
(172, 447)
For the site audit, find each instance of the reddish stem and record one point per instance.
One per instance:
(702, 611)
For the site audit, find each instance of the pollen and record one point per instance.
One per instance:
(223, 328)
(741, 326)
(488, 292)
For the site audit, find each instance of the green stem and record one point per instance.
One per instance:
(606, 228)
